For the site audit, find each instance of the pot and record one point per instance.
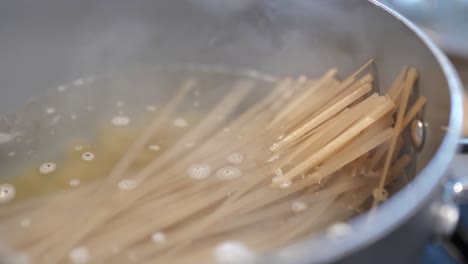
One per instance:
(47, 43)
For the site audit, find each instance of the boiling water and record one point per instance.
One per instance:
(66, 195)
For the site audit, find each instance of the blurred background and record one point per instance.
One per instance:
(445, 21)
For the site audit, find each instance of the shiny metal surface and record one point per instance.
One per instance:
(49, 43)
(417, 133)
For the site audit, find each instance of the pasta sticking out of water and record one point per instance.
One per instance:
(225, 183)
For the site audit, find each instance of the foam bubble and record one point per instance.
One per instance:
(338, 231)
(11, 154)
(383, 195)
(7, 193)
(180, 122)
(25, 223)
(61, 88)
(285, 185)
(90, 108)
(120, 120)
(88, 156)
(151, 108)
(78, 82)
(279, 172)
(274, 146)
(79, 255)
(235, 158)
(50, 110)
(127, 184)
(158, 237)
(196, 104)
(47, 167)
(230, 252)
(199, 171)
(74, 182)
(154, 147)
(79, 147)
(4, 138)
(298, 206)
(228, 173)
(73, 117)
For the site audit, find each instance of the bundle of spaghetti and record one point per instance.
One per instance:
(308, 154)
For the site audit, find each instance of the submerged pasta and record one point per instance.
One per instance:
(220, 184)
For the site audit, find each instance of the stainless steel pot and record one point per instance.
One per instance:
(46, 43)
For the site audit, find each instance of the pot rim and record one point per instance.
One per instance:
(407, 202)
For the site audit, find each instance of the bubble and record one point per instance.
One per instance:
(61, 88)
(79, 147)
(47, 167)
(196, 104)
(279, 172)
(73, 117)
(120, 120)
(11, 154)
(154, 147)
(120, 103)
(78, 82)
(74, 182)
(127, 184)
(339, 231)
(298, 206)
(7, 193)
(25, 223)
(231, 252)
(285, 185)
(151, 108)
(158, 237)
(228, 173)
(180, 122)
(199, 171)
(278, 177)
(226, 129)
(235, 158)
(383, 195)
(4, 137)
(90, 108)
(88, 156)
(274, 146)
(50, 110)
(79, 255)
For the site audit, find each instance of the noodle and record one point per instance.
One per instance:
(307, 154)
